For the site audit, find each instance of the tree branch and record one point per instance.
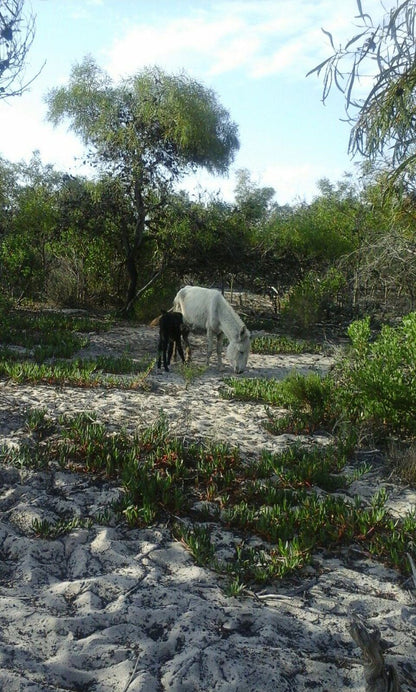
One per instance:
(379, 676)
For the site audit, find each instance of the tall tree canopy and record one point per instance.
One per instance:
(149, 130)
(381, 54)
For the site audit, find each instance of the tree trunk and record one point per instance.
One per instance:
(131, 248)
(142, 289)
(133, 279)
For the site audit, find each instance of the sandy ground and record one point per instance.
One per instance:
(111, 609)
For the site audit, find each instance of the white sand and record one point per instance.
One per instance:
(111, 609)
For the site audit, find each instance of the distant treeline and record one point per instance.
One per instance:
(64, 240)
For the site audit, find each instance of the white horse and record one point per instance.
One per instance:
(206, 308)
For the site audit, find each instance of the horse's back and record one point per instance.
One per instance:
(197, 294)
(198, 305)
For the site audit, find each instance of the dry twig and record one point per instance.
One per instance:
(379, 676)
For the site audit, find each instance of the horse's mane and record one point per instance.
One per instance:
(230, 316)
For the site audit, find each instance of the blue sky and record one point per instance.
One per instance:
(255, 56)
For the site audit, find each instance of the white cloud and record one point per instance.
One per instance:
(221, 39)
(262, 38)
(83, 10)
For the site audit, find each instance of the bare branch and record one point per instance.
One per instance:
(382, 54)
(17, 33)
(379, 676)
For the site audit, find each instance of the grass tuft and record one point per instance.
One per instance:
(274, 345)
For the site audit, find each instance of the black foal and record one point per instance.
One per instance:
(171, 328)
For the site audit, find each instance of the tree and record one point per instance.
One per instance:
(32, 217)
(148, 131)
(383, 123)
(254, 202)
(17, 32)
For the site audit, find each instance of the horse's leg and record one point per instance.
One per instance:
(165, 345)
(179, 348)
(210, 335)
(220, 339)
(185, 335)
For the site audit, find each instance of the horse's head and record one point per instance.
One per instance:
(238, 350)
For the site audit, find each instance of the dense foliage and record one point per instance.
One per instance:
(369, 393)
(349, 252)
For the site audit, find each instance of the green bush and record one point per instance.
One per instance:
(377, 380)
(371, 389)
(308, 394)
(313, 298)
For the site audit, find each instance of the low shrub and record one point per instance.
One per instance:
(371, 389)
(313, 299)
(376, 381)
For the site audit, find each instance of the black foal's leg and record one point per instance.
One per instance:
(165, 348)
(170, 351)
(159, 353)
